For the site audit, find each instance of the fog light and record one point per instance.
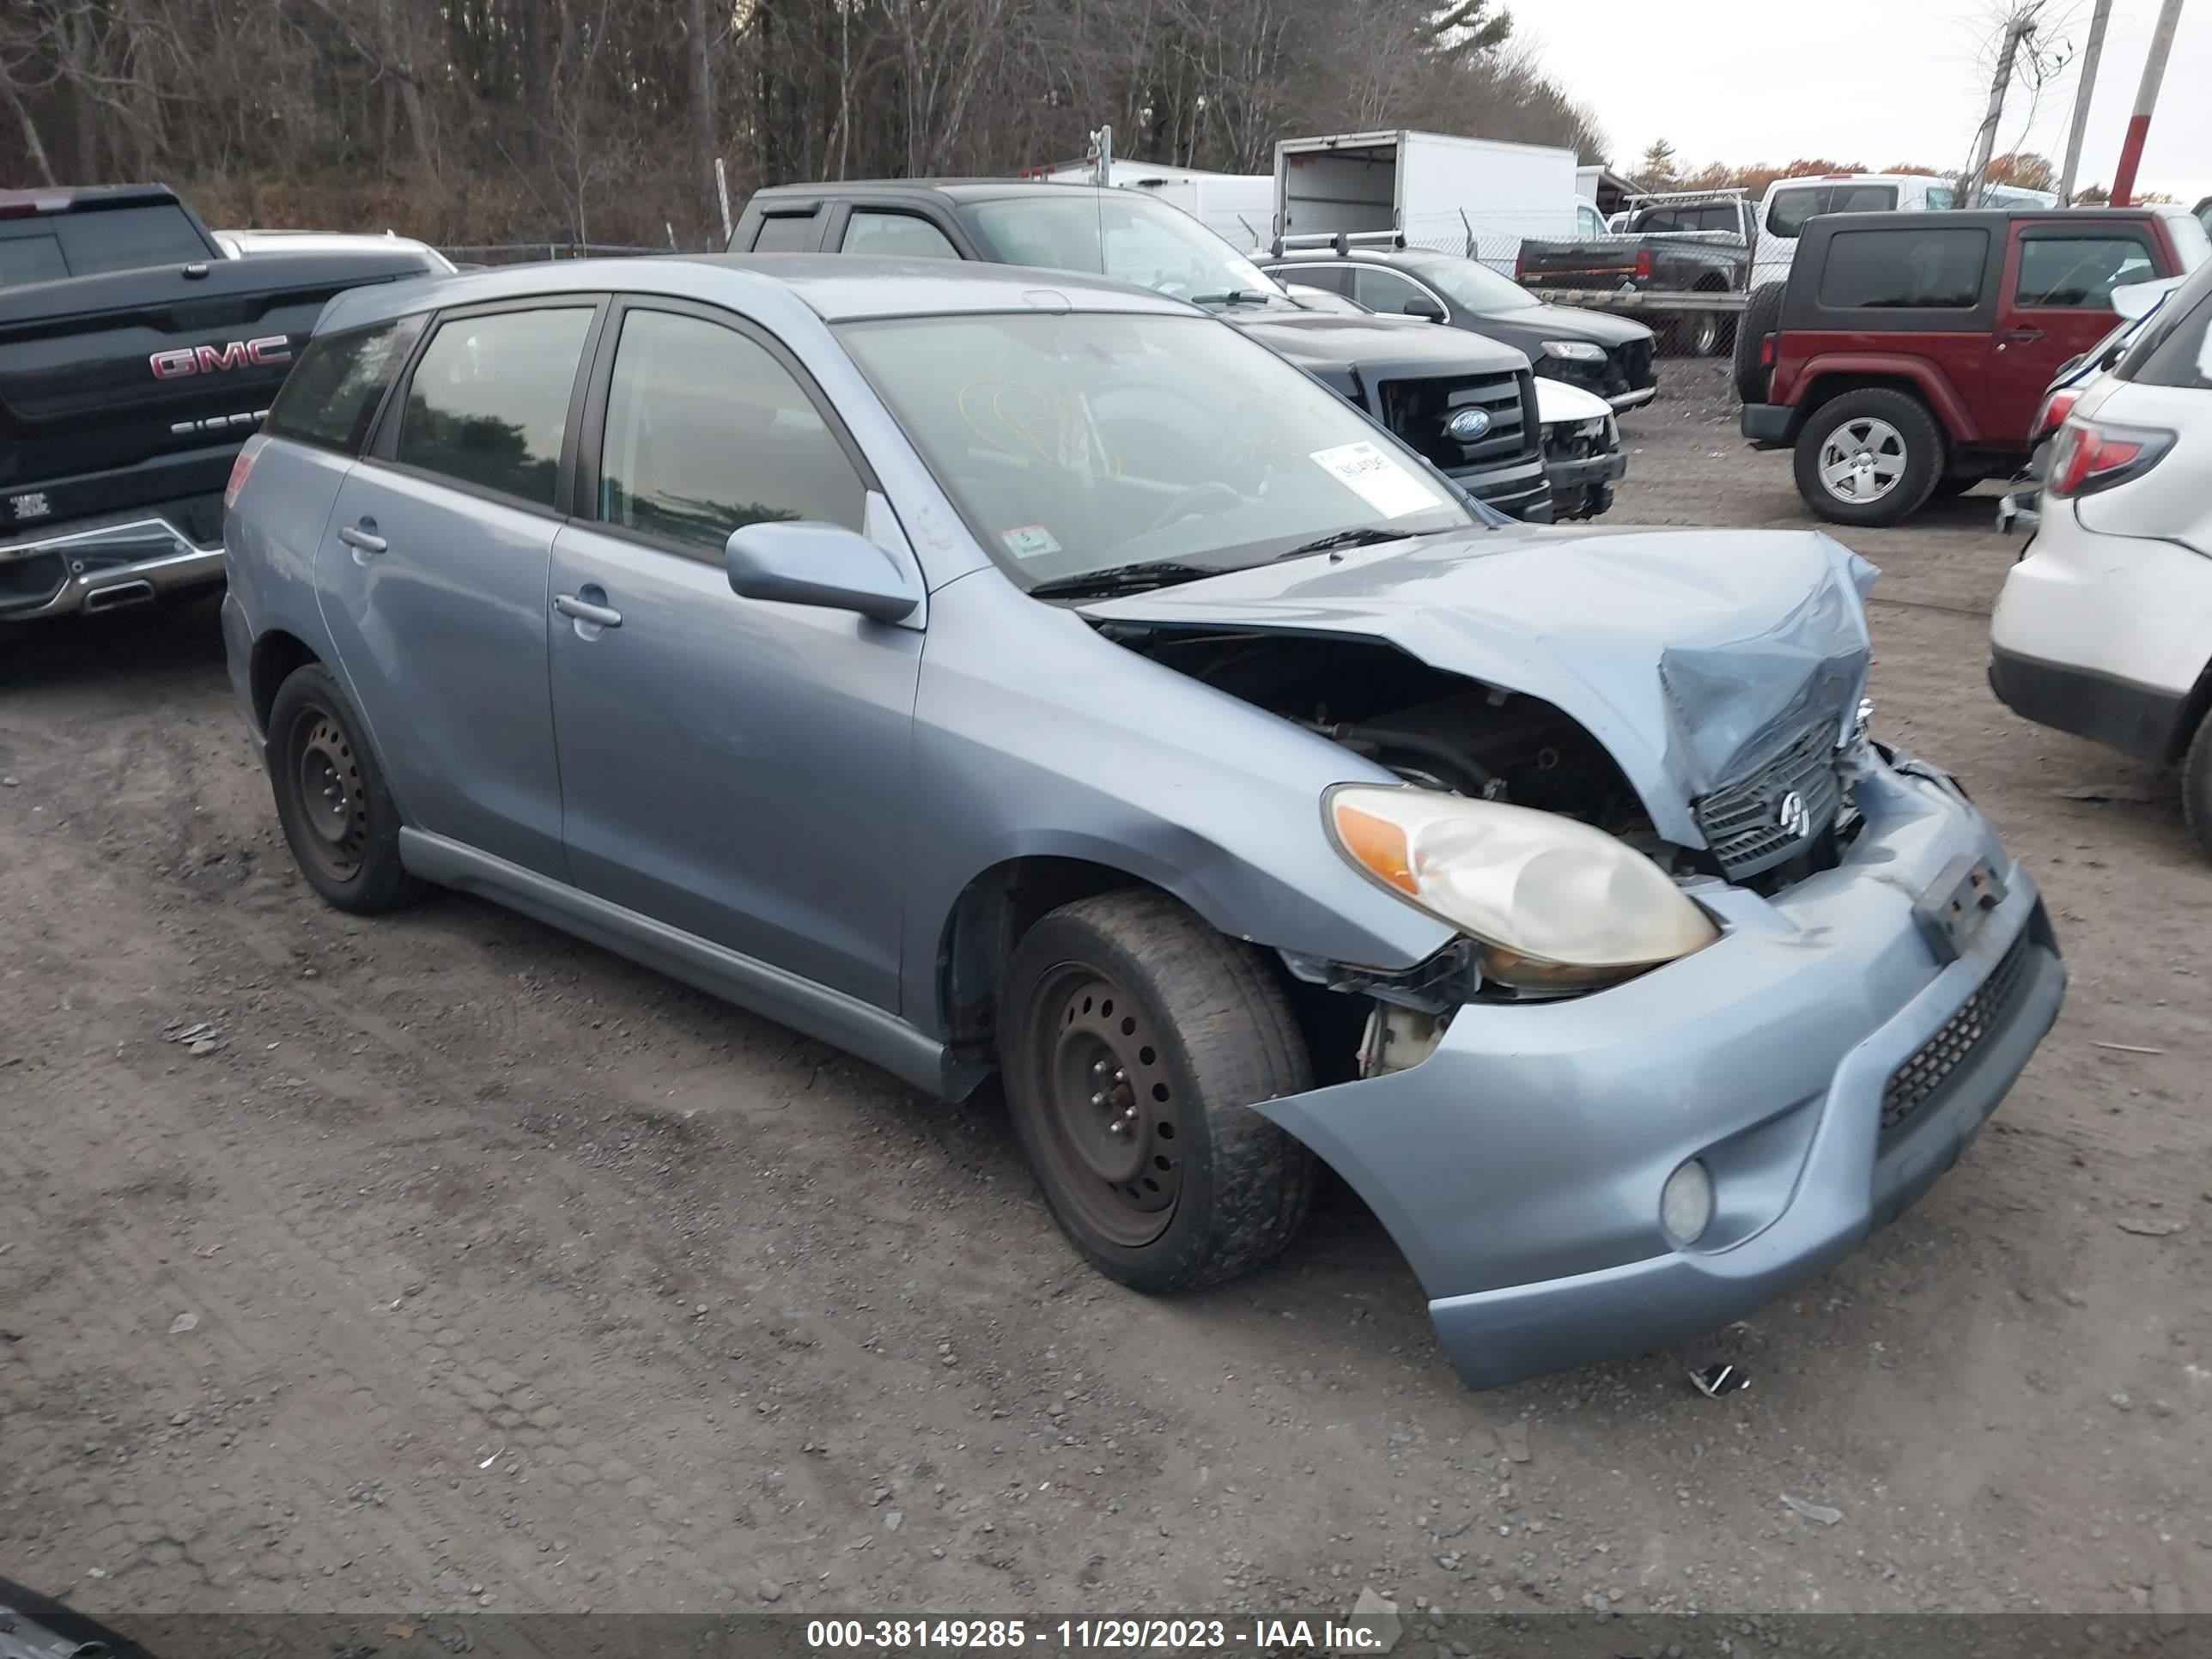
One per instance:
(1686, 1203)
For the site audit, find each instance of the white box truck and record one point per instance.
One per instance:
(1434, 189)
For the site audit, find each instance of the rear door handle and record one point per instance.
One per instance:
(367, 540)
(2024, 336)
(601, 616)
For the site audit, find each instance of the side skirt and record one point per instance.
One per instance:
(844, 1022)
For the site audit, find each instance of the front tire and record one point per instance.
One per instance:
(1870, 456)
(338, 814)
(1698, 335)
(1134, 1042)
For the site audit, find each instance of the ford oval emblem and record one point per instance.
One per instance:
(1468, 425)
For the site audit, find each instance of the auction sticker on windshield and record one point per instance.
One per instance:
(1030, 541)
(1376, 479)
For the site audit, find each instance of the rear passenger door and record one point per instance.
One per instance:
(2056, 302)
(432, 573)
(733, 768)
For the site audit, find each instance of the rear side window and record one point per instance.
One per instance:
(489, 403)
(1905, 270)
(332, 393)
(896, 235)
(2078, 273)
(30, 257)
(708, 432)
(785, 233)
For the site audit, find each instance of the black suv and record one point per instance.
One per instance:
(1608, 356)
(1467, 403)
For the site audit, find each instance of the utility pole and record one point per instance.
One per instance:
(2085, 89)
(2018, 27)
(2161, 43)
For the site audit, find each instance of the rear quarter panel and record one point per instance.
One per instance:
(270, 537)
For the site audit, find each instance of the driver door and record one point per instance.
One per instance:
(733, 768)
(2056, 302)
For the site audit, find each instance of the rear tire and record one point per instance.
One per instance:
(1762, 312)
(339, 816)
(1883, 444)
(1699, 334)
(1126, 1010)
(2196, 787)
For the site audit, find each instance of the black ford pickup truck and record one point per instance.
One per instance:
(1466, 402)
(136, 359)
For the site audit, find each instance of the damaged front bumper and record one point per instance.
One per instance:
(1519, 1167)
(1581, 487)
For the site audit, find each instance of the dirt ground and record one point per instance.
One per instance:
(466, 1266)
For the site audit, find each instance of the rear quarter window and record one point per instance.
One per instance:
(2174, 350)
(333, 392)
(1914, 269)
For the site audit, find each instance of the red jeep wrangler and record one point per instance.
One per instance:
(1907, 353)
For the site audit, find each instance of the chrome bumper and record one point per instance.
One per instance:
(102, 569)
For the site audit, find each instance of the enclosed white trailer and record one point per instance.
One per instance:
(1435, 191)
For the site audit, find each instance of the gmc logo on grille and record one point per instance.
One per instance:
(209, 360)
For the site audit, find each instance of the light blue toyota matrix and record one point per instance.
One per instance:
(998, 672)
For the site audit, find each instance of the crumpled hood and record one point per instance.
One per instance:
(1694, 656)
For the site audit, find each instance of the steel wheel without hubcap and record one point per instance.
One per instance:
(1861, 460)
(332, 803)
(1112, 1131)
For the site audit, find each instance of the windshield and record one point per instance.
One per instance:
(1475, 286)
(1090, 442)
(1134, 237)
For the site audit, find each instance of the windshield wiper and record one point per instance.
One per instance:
(1122, 579)
(1235, 296)
(1365, 536)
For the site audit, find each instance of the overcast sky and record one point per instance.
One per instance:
(1878, 82)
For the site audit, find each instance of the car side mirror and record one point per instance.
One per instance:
(2068, 367)
(1424, 308)
(818, 564)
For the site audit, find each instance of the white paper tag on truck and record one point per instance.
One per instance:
(1380, 480)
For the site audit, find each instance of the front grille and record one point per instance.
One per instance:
(1937, 1061)
(1745, 824)
(1416, 410)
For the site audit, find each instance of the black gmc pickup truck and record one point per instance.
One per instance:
(136, 359)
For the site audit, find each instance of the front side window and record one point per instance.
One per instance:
(895, 236)
(1091, 442)
(1379, 289)
(489, 404)
(2078, 273)
(332, 392)
(1473, 286)
(1589, 227)
(706, 432)
(1905, 270)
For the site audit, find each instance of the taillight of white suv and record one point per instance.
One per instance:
(2092, 455)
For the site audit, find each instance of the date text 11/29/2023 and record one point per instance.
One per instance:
(1339, 1634)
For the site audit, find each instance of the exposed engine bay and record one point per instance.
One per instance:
(1435, 730)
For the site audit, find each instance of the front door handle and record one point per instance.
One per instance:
(583, 610)
(364, 538)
